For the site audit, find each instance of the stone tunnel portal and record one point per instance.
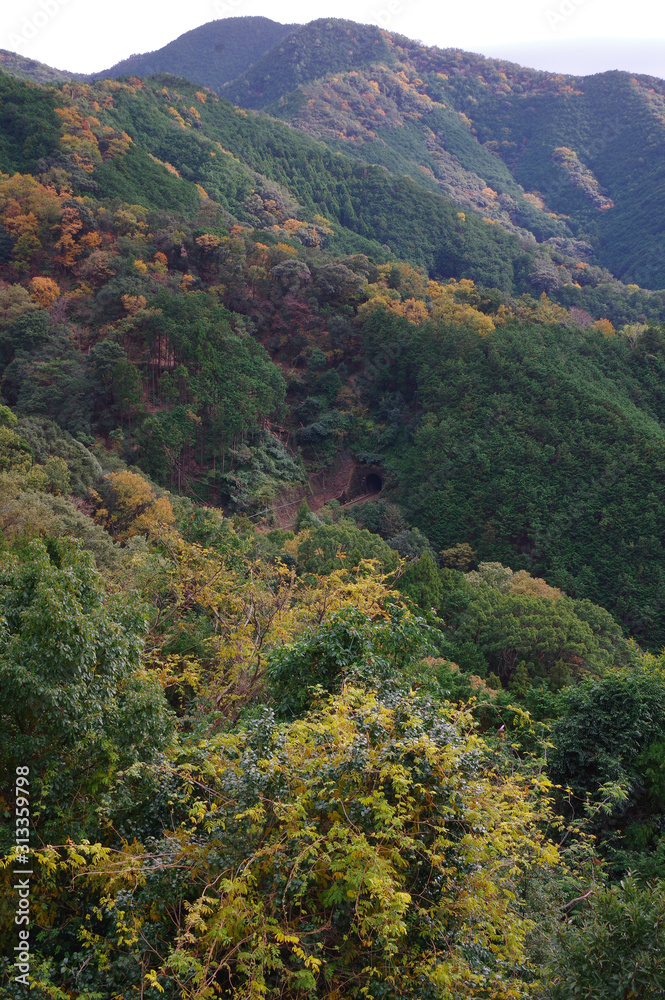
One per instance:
(373, 482)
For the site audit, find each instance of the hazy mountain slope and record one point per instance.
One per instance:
(176, 136)
(375, 116)
(30, 69)
(210, 55)
(234, 155)
(614, 125)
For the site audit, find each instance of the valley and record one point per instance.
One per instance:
(332, 520)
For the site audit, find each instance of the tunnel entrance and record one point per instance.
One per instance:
(373, 482)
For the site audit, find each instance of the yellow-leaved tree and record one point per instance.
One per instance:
(132, 507)
(45, 291)
(368, 849)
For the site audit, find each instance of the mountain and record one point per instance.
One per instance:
(206, 141)
(186, 275)
(238, 157)
(210, 55)
(573, 167)
(579, 161)
(136, 193)
(313, 51)
(332, 546)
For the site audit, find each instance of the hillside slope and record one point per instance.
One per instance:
(183, 134)
(332, 584)
(194, 313)
(24, 68)
(578, 159)
(574, 164)
(238, 158)
(198, 285)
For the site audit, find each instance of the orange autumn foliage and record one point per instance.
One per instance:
(45, 291)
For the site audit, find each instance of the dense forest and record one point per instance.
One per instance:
(332, 545)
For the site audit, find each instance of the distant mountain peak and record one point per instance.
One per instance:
(211, 54)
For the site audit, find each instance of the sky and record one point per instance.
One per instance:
(576, 36)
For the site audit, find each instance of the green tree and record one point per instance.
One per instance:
(349, 645)
(75, 705)
(605, 725)
(302, 516)
(613, 947)
(15, 452)
(422, 583)
(509, 628)
(335, 546)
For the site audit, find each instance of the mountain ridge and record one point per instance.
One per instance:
(547, 157)
(559, 136)
(25, 68)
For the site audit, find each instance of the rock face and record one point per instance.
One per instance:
(346, 481)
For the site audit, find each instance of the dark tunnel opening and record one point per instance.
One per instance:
(373, 483)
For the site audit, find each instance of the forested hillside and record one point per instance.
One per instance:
(572, 163)
(570, 159)
(332, 542)
(25, 68)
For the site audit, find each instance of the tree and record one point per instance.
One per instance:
(512, 628)
(45, 291)
(132, 507)
(7, 418)
(76, 704)
(302, 516)
(369, 848)
(421, 582)
(460, 557)
(349, 645)
(334, 546)
(614, 947)
(15, 301)
(65, 647)
(605, 725)
(15, 452)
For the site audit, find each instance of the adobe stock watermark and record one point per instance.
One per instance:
(35, 23)
(22, 872)
(385, 15)
(227, 8)
(562, 11)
